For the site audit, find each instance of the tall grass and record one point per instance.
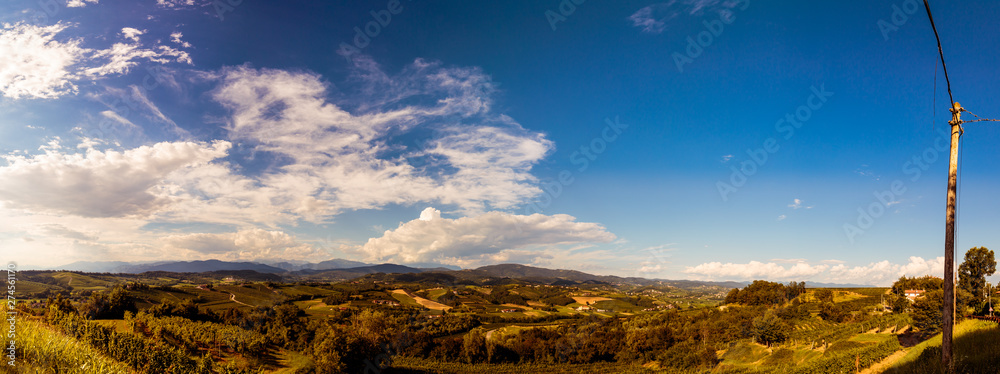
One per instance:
(42, 350)
(975, 350)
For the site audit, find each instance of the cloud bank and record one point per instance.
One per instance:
(877, 273)
(487, 238)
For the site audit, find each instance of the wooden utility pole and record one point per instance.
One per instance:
(949, 242)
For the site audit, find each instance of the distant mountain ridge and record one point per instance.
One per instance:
(348, 269)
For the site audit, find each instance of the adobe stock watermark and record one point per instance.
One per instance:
(225, 6)
(900, 15)
(10, 306)
(47, 9)
(759, 156)
(565, 9)
(582, 158)
(363, 35)
(884, 199)
(713, 29)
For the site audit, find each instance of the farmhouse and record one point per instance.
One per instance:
(582, 308)
(913, 294)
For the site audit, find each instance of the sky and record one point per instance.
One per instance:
(687, 139)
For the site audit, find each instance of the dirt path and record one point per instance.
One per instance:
(424, 302)
(232, 297)
(886, 363)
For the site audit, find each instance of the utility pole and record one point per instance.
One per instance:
(949, 242)
(949, 231)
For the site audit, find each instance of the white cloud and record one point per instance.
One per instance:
(121, 57)
(175, 4)
(653, 19)
(176, 38)
(797, 204)
(37, 64)
(726, 158)
(244, 245)
(881, 273)
(755, 270)
(136, 101)
(789, 260)
(55, 229)
(487, 238)
(782, 217)
(79, 3)
(34, 64)
(118, 118)
(99, 184)
(347, 161)
(884, 273)
(132, 34)
(650, 267)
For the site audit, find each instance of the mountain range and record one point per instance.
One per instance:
(347, 269)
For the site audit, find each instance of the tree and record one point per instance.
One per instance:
(824, 295)
(899, 304)
(769, 329)
(927, 312)
(474, 345)
(831, 312)
(979, 263)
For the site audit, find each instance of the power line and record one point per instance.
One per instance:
(940, 52)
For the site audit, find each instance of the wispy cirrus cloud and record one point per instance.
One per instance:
(655, 18)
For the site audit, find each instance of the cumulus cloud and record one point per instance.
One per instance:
(349, 160)
(174, 4)
(99, 184)
(34, 64)
(877, 273)
(755, 270)
(487, 238)
(132, 33)
(244, 245)
(38, 63)
(176, 38)
(79, 3)
(884, 272)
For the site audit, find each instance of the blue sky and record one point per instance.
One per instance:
(591, 136)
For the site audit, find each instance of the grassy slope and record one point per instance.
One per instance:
(42, 350)
(975, 351)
